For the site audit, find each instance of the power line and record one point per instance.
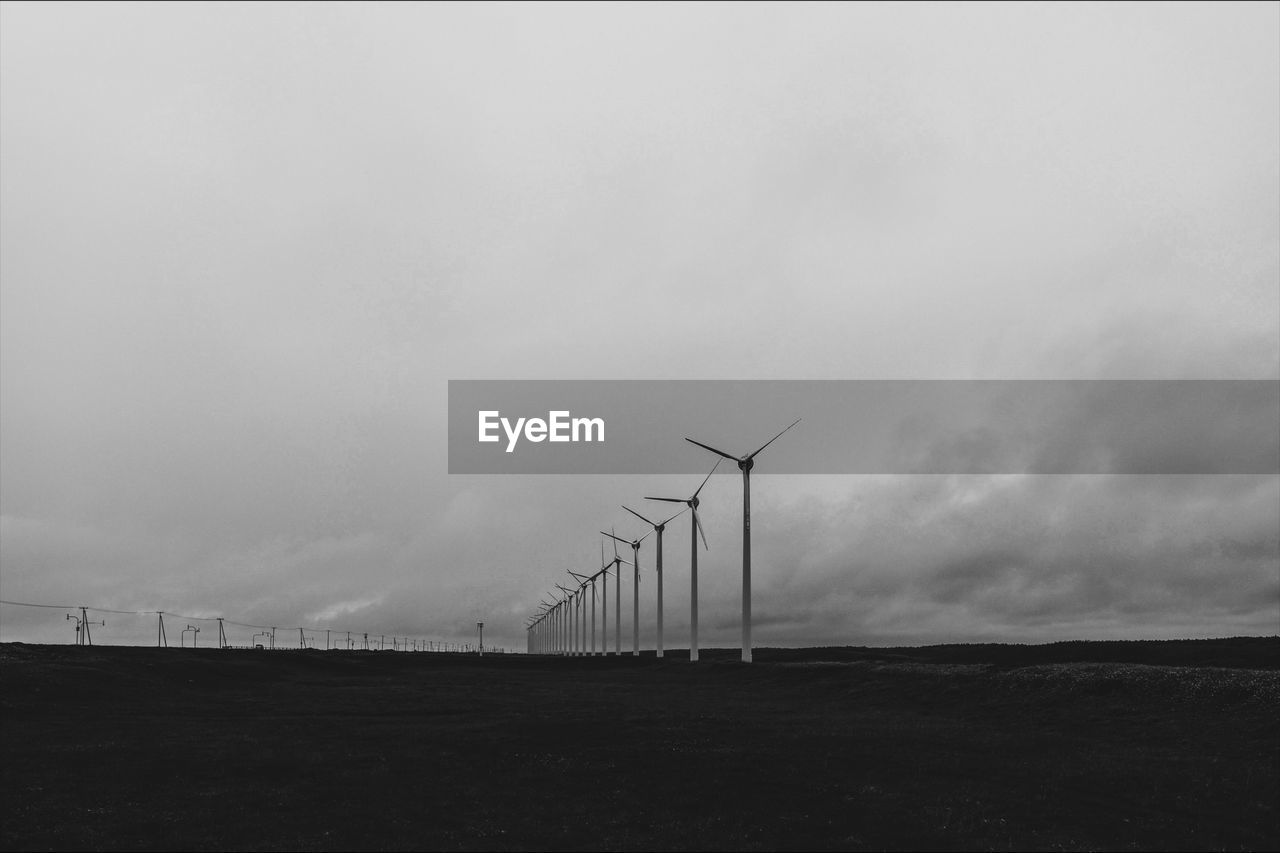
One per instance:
(163, 613)
(50, 606)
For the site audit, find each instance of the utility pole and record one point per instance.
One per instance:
(86, 638)
(222, 635)
(161, 639)
(480, 625)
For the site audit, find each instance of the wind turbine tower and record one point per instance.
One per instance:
(745, 464)
(695, 530)
(635, 553)
(658, 526)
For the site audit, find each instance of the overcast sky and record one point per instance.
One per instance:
(244, 248)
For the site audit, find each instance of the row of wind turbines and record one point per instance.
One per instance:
(559, 627)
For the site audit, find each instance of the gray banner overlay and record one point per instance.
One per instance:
(869, 427)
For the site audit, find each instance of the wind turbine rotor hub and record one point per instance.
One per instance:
(746, 464)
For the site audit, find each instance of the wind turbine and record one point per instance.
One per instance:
(541, 636)
(547, 617)
(616, 562)
(563, 629)
(582, 608)
(603, 575)
(545, 638)
(635, 553)
(604, 602)
(553, 623)
(537, 627)
(592, 580)
(694, 530)
(659, 526)
(745, 464)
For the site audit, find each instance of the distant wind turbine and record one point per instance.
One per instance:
(603, 574)
(617, 562)
(745, 464)
(658, 526)
(552, 616)
(582, 610)
(564, 620)
(571, 619)
(635, 553)
(604, 602)
(694, 530)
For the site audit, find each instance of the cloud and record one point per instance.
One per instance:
(244, 249)
(935, 558)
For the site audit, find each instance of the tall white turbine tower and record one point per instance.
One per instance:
(658, 526)
(603, 574)
(562, 621)
(695, 529)
(635, 553)
(604, 602)
(745, 464)
(616, 562)
(589, 650)
(582, 611)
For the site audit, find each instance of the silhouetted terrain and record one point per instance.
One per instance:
(1141, 745)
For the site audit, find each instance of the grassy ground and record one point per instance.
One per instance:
(1070, 746)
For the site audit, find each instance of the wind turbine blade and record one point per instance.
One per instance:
(623, 541)
(637, 515)
(575, 574)
(697, 522)
(775, 438)
(672, 500)
(708, 477)
(617, 540)
(717, 452)
(677, 515)
(646, 536)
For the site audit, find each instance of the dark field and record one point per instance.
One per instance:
(1068, 746)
